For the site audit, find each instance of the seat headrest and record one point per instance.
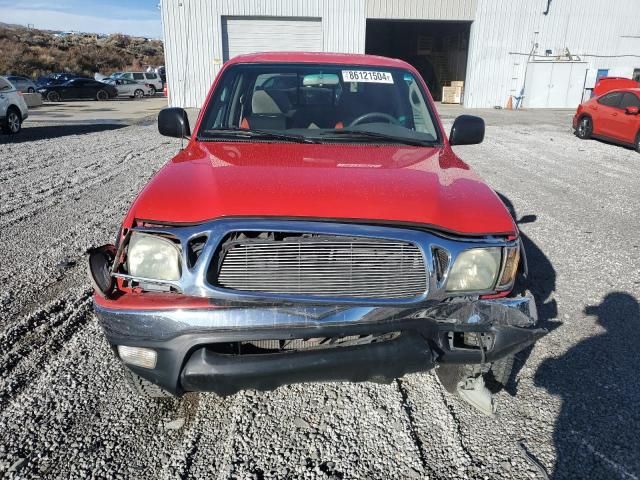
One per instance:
(262, 103)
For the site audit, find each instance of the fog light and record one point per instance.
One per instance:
(138, 356)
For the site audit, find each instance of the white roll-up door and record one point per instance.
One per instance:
(242, 35)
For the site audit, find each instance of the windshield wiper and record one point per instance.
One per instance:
(257, 134)
(347, 132)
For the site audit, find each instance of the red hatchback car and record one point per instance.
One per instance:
(612, 116)
(316, 227)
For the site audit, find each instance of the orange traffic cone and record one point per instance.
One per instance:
(165, 90)
(510, 103)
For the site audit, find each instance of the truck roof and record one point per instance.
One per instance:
(318, 57)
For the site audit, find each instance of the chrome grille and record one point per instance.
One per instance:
(324, 266)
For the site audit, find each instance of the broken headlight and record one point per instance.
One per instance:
(475, 270)
(153, 257)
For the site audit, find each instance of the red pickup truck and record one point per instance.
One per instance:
(316, 227)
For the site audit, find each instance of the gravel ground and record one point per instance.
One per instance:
(65, 411)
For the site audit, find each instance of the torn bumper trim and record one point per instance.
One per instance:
(183, 340)
(226, 374)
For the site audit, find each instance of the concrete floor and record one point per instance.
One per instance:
(88, 112)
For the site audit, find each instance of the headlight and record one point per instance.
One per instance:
(475, 270)
(153, 257)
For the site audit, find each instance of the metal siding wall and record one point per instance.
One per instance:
(192, 32)
(585, 27)
(421, 9)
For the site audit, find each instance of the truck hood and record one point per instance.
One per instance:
(370, 183)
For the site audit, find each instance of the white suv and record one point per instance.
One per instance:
(150, 78)
(13, 108)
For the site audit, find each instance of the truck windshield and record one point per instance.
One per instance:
(319, 103)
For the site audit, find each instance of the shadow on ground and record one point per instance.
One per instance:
(30, 133)
(540, 281)
(596, 434)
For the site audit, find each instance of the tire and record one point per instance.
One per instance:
(584, 128)
(638, 142)
(13, 121)
(53, 97)
(153, 90)
(30, 90)
(138, 93)
(144, 388)
(102, 95)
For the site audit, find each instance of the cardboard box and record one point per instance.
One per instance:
(452, 95)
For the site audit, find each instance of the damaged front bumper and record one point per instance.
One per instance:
(227, 348)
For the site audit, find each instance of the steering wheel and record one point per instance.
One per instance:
(370, 115)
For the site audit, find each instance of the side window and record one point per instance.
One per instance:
(419, 109)
(151, 76)
(221, 112)
(611, 99)
(138, 76)
(630, 100)
(5, 85)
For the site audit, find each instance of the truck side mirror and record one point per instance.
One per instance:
(467, 130)
(173, 122)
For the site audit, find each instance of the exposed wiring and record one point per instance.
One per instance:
(483, 356)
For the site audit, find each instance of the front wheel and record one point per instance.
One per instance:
(12, 122)
(638, 142)
(102, 95)
(138, 93)
(53, 96)
(585, 128)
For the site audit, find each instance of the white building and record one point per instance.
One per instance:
(552, 50)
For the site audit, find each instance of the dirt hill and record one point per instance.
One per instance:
(33, 52)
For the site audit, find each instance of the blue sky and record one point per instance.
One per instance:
(134, 17)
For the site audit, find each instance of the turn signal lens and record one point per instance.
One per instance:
(138, 356)
(475, 270)
(512, 260)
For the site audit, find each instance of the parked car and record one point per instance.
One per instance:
(150, 78)
(318, 226)
(606, 84)
(13, 108)
(129, 88)
(55, 79)
(612, 116)
(22, 84)
(78, 88)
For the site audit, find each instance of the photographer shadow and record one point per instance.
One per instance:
(597, 431)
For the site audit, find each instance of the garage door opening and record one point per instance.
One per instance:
(241, 35)
(438, 50)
